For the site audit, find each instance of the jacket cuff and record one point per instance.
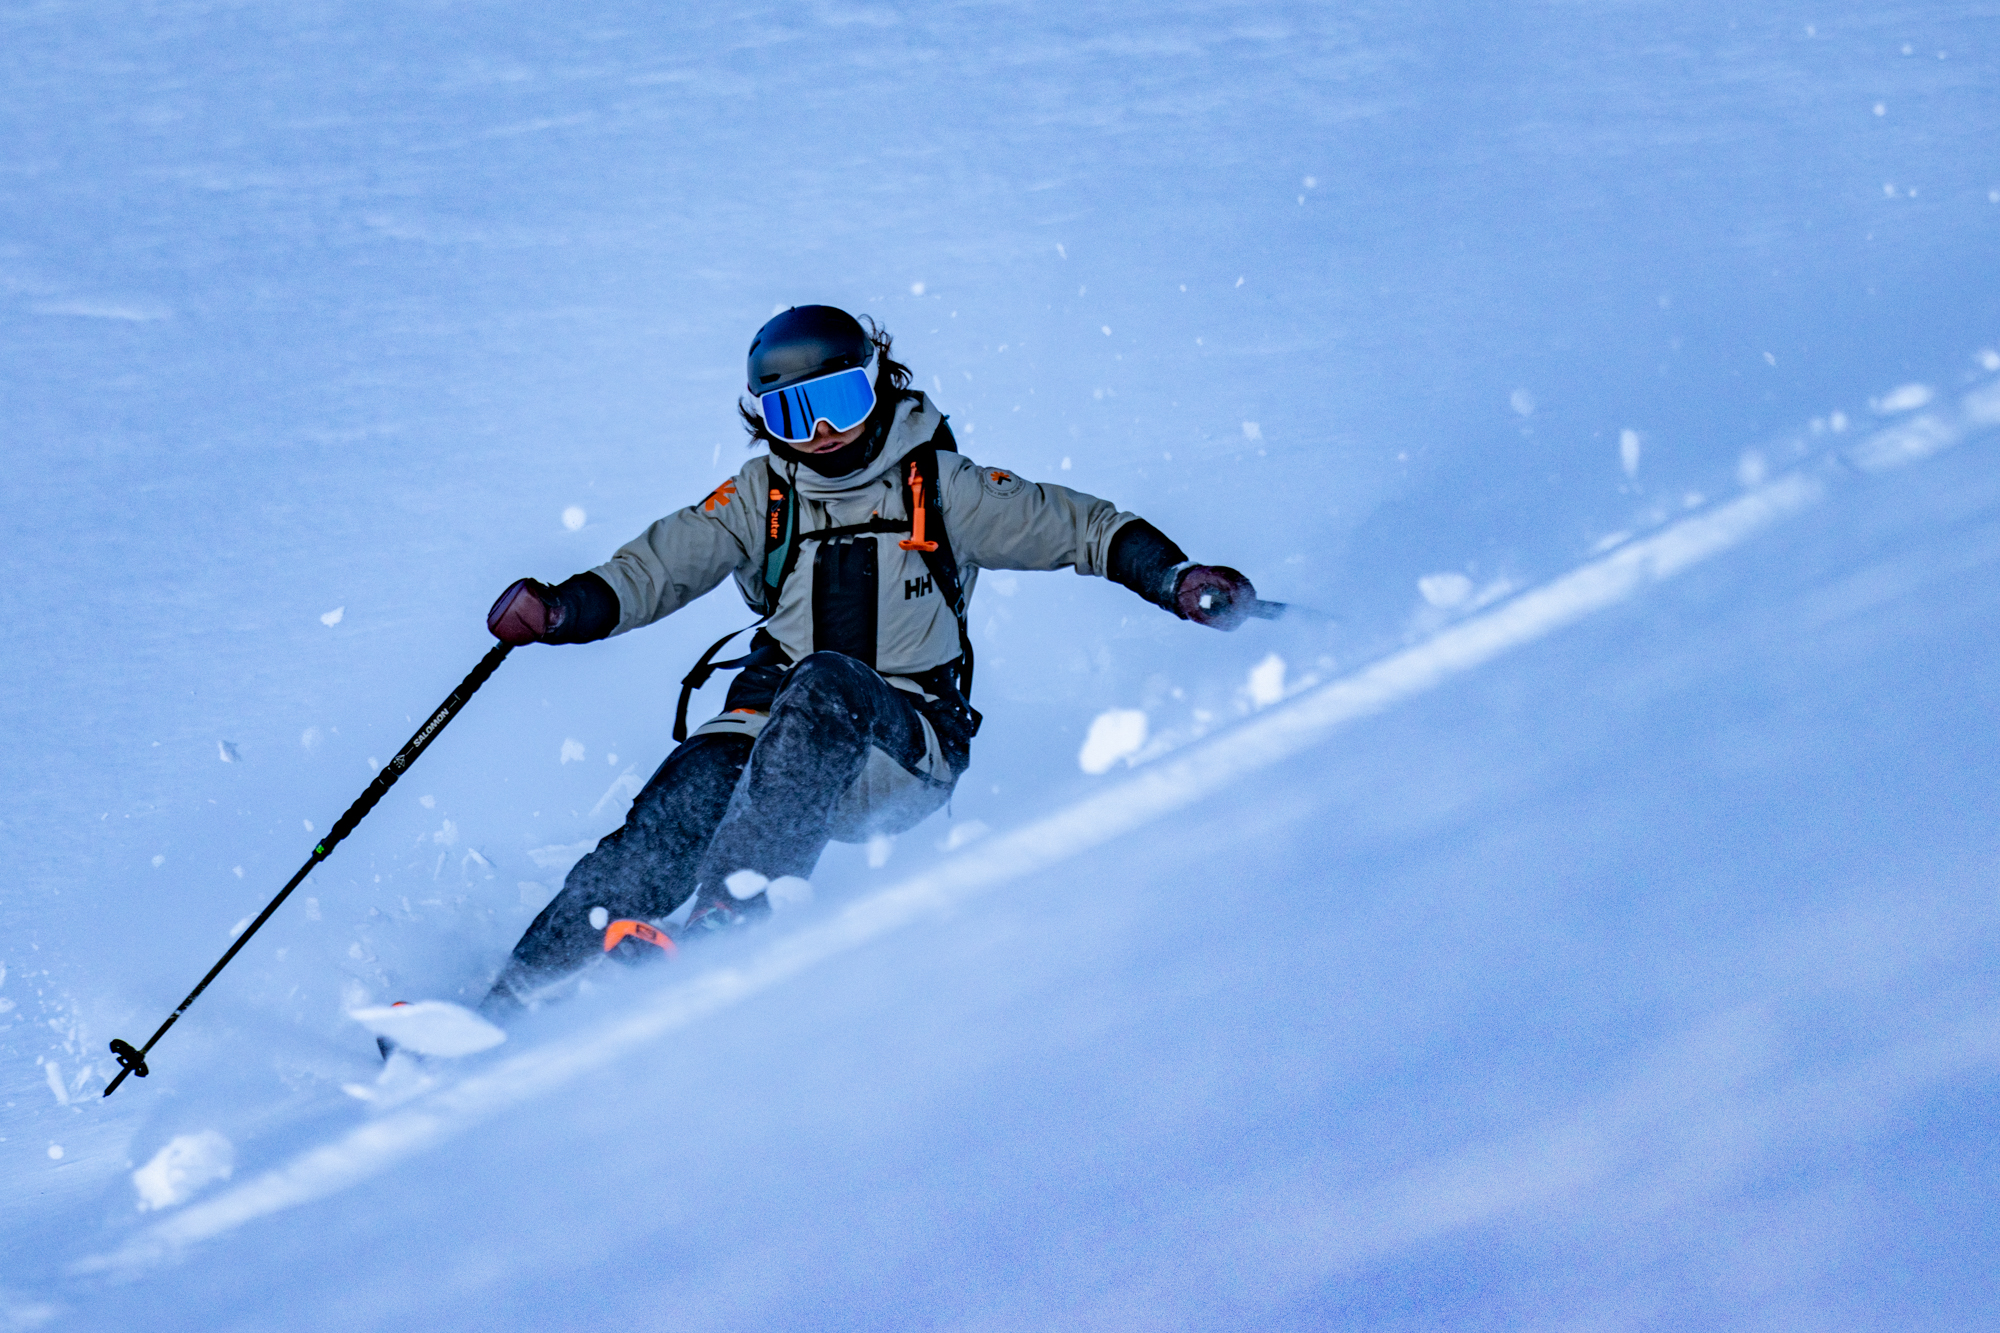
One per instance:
(1146, 560)
(588, 609)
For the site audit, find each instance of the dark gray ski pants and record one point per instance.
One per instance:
(723, 803)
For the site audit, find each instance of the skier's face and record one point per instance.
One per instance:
(826, 439)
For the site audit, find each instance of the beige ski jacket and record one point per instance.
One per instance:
(994, 519)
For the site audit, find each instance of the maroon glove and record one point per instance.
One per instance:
(1214, 595)
(525, 613)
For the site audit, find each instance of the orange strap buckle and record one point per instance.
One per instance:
(916, 541)
(618, 930)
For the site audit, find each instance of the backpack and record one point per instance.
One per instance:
(925, 526)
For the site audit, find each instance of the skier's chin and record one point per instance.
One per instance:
(834, 461)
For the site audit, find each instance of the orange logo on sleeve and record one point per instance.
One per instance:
(719, 497)
(999, 481)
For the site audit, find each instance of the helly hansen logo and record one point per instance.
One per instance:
(916, 587)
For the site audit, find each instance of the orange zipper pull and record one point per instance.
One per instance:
(916, 541)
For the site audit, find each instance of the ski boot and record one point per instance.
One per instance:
(746, 899)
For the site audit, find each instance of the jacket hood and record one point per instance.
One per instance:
(914, 424)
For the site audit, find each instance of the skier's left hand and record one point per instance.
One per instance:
(1214, 595)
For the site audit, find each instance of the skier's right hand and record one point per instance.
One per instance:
(1214, 595)
(526, 613)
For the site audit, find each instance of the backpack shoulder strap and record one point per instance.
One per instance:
(781, 535)
(925, 503)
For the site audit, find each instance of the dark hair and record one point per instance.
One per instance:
(892, 386)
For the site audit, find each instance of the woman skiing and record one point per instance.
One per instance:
(858, 537)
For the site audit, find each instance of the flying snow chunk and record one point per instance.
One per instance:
(574, 517)
(1114, 735)
(789, 891)
(1905, 399)
(186, 1165)
(783, 892)
(1522, 402)
(1628, 451)
(916, 289)
(560, 857)
(333, 617)
(228, 752)
(1988, 358)
(430, 1027)
(1266, 684)
(963, 833)
(572, 751)
(1252, 431)
(1445, 591)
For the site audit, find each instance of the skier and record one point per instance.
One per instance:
(858, 537)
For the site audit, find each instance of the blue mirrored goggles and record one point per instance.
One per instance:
(842, 400)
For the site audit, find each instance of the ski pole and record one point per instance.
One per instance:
(1264, 610)
(133, 1061)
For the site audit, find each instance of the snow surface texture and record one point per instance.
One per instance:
(1594, 927)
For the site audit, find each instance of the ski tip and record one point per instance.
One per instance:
(430, 1027)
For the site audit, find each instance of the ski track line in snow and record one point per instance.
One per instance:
(1167, 785)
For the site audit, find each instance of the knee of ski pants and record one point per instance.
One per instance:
(825, 682)
(904, 776)
(827, 686)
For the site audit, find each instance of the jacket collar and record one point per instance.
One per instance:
(913, 425)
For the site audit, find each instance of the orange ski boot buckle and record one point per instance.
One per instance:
(652, 935)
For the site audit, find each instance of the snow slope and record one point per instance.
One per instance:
(1599, 933)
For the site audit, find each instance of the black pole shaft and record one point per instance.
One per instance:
(134, 1061)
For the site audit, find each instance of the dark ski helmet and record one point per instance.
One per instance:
(803, 342)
